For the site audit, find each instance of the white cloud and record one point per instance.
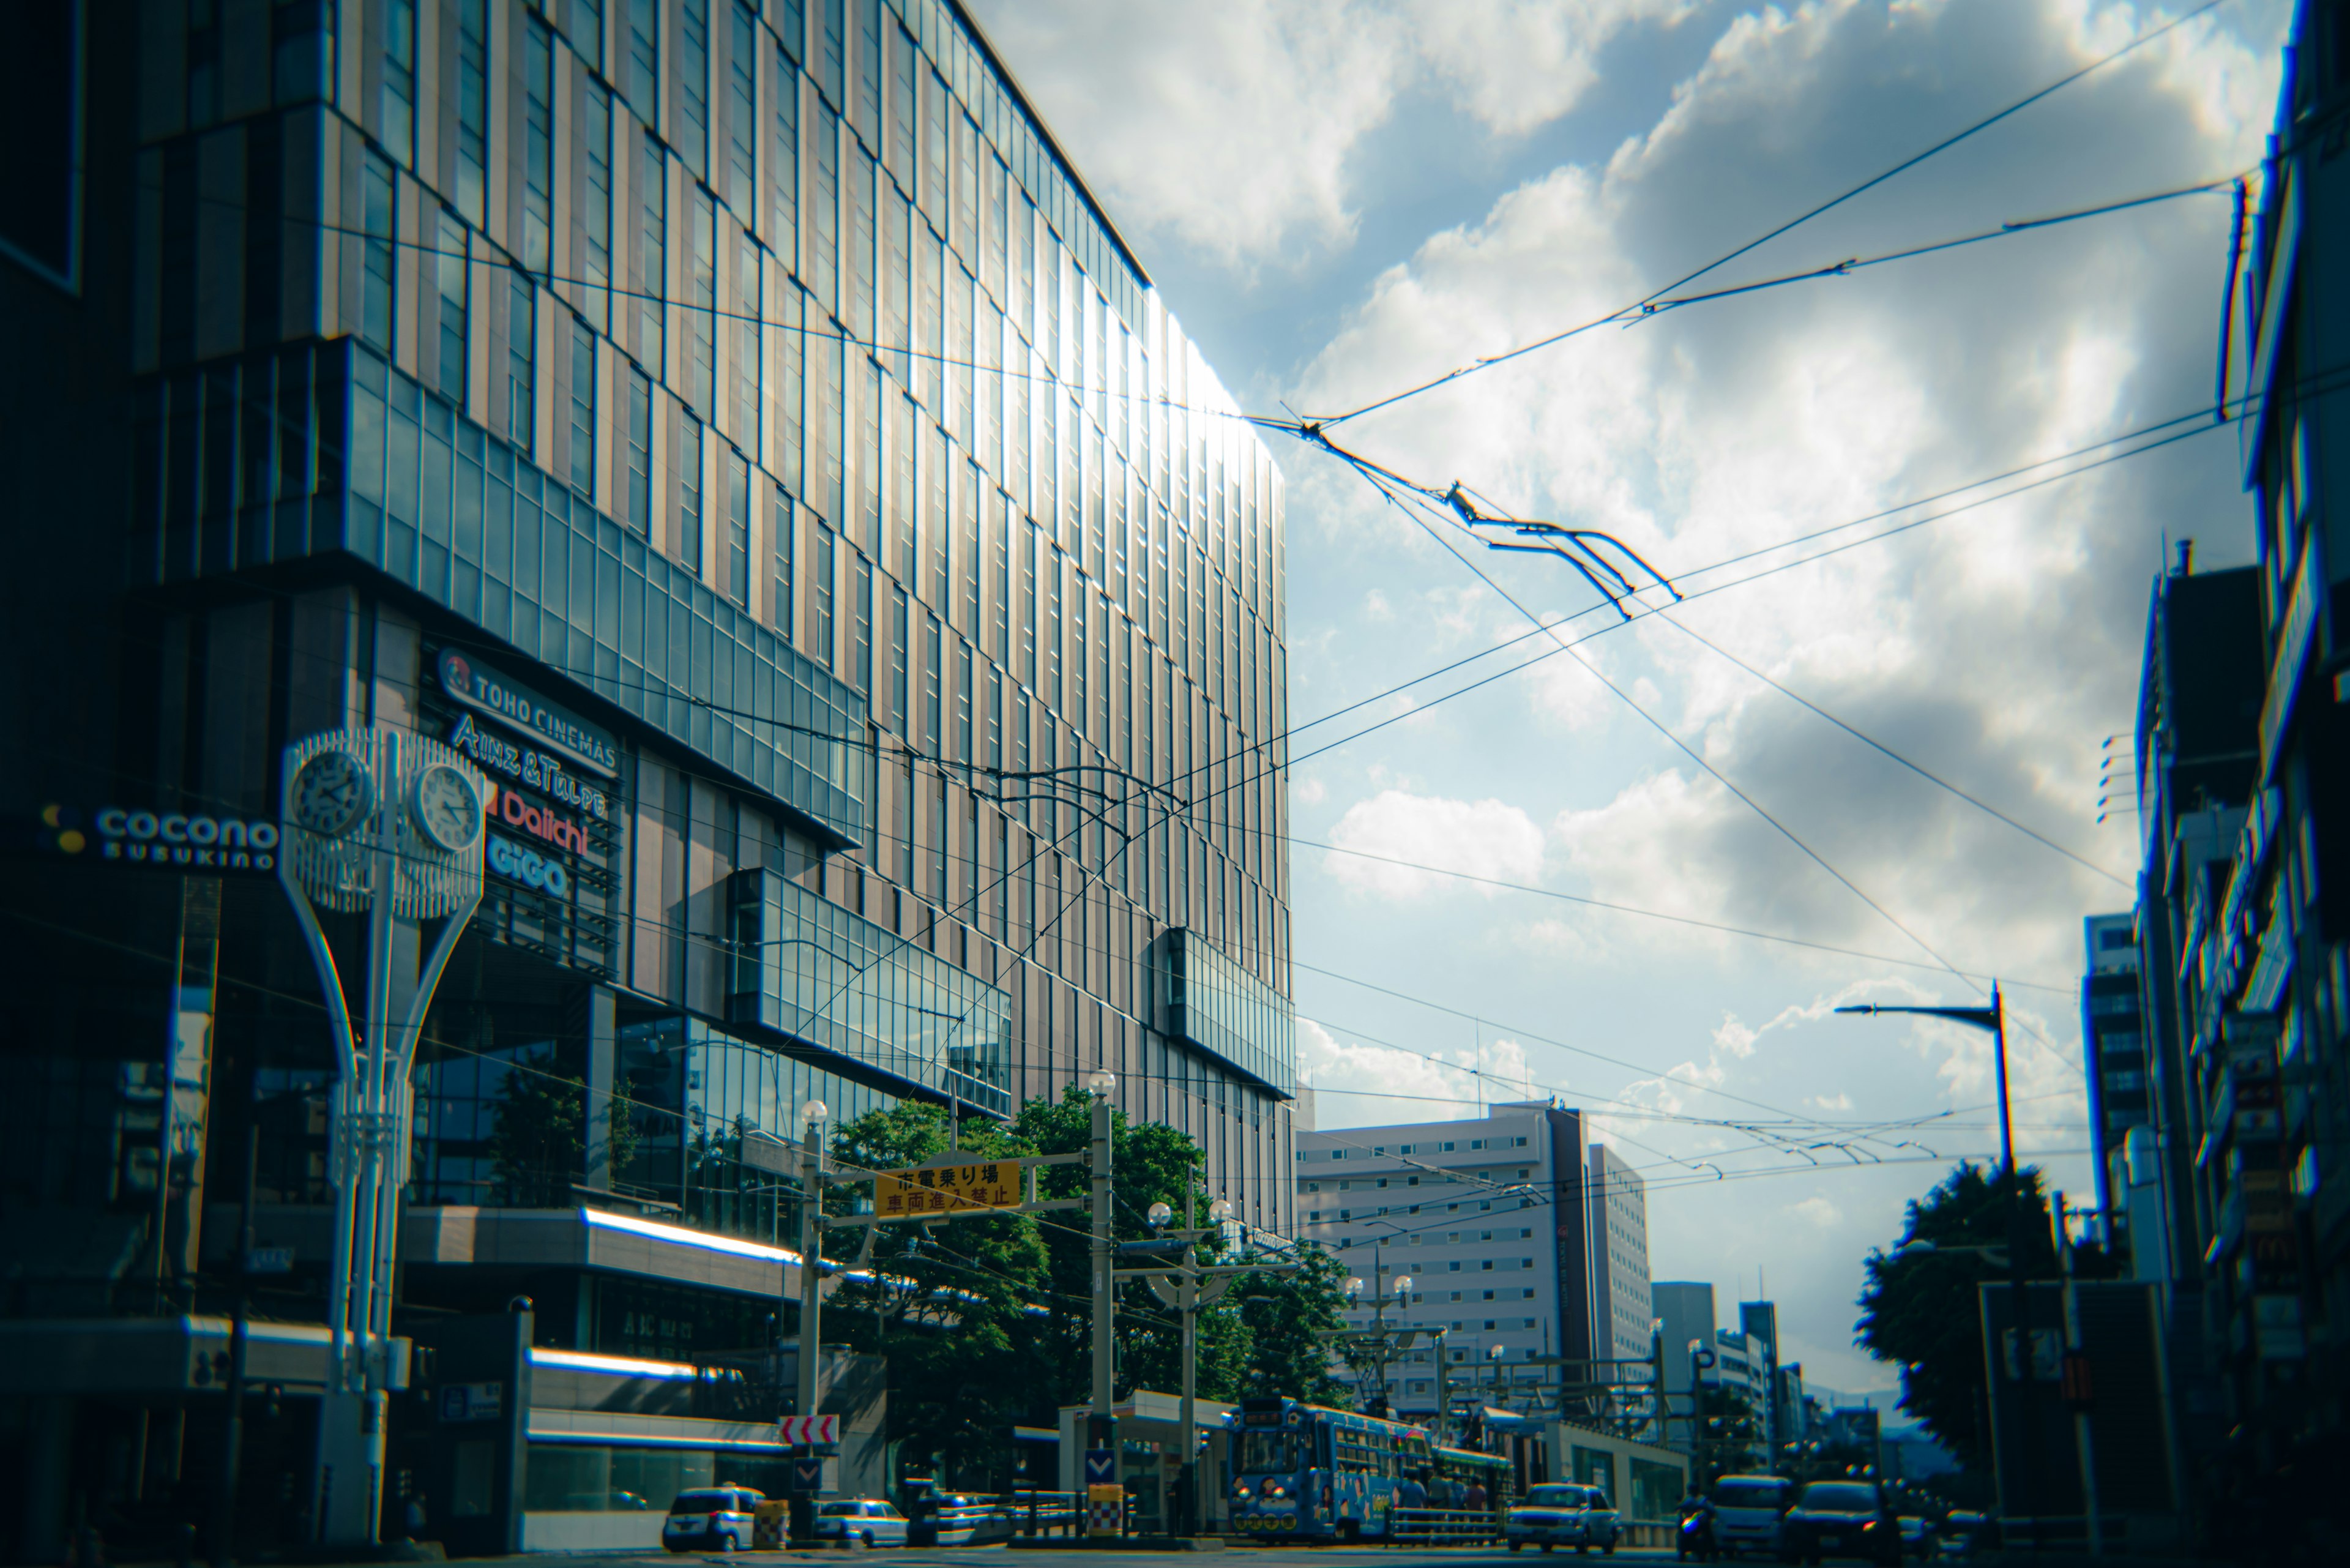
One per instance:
(1817, 1213)
(1360, 1084)
(1480, 838)
(1516, 64)
(1226, 127)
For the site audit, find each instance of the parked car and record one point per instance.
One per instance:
(871, 1519)
(950, 1519)
(1839, 1518)
(1965, 1533)
(1918, 1538)
(1557, 1514)
(1746, 1512)
(712, 1519)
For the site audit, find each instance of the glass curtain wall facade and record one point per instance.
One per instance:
(871, 338)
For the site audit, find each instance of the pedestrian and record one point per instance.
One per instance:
(1474, 1499)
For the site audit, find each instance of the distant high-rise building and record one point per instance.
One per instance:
(2113, 1033)
(1492, 1221)
(1619, 1254)
(1684, 1309)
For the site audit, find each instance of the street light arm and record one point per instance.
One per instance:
(1979, 1017)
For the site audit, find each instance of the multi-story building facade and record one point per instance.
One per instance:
(737, 429)
(1489, 1219)
(2244, 752)
(1619, 1255)
(2113, 1033)
(1685, 1318)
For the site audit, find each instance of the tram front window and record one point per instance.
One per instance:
(1270, 1453)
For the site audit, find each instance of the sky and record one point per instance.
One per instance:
(1343, 199)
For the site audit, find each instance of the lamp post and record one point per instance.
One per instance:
(814, 1113)
(1101, 1083)
(1378, 1348)
(1993, 1018)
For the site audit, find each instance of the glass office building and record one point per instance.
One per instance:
(757, 391)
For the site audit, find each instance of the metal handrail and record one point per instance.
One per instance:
(1442, 1526)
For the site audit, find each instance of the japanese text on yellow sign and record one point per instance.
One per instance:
(947, 1189)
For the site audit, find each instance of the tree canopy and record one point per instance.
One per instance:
(992, 1325)
(1923, 1313)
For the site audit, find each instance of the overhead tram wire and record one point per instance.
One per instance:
(1402, 495)
(1637, 307)
(267, 991)
(1681, 745)
(1657, 914)
(1879, 746)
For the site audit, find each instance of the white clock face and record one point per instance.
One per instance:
(332, 795)
(447, 807)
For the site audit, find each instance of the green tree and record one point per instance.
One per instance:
(1289, 1318)
(993, 1323)
(1923, 1311)
(947, 1301)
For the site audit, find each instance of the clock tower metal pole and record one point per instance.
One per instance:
(408, 855)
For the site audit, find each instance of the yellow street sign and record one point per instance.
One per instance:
(947, 1189)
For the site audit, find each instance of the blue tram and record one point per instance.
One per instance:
(1300, 1472)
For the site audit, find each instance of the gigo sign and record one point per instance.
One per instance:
(529, 867)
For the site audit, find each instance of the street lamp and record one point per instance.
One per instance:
(1101, 1083)
(1993, 1018)
(814, 1113)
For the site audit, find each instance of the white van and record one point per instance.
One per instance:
(1746, 1510)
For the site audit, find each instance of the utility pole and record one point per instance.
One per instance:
(1179, 1279)
(1994, 1020)
(1100, 1084)
(240, 1337)
(812, 1115)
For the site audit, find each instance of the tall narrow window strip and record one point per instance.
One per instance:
(934, 682)
(832, 51)
(522, 364)
(583, 409)
(595, 189)
(640, 452)
(820, 612)
(742, 114)
(784, 167)
(738, 529)
(701, 301)
(538, 147)
(652, 252)
(782, 537)
(455, 322)
(643, 86)
(689, 493)
(473, 108)
(749, 312)
(378, 220)
(861, 606)
(587, 32)
(693, 127)
(397, 106)
(898, 633)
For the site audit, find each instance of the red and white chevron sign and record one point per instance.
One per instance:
(808, 1429)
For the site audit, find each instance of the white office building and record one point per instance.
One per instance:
(1619, 1255)
(1501, 1226)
